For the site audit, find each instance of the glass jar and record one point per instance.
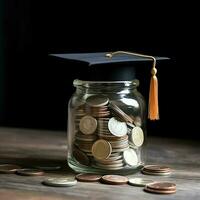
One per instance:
(106, 127)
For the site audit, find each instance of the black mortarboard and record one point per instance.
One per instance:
(99, 67)
(116, 66)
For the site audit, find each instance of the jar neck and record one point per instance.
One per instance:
(99, 87)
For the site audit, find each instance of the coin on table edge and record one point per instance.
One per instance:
(161, 186)
(60, 182)
(8, 168)
(30, 172)
(101, 149)
(48, 167)
(140, 182)
(159, 191)
(137, 136)
(88, 125)
(97, 100)
(114, 179)
(157, 168)
(88, 177)
(130, 157)
(117, 128)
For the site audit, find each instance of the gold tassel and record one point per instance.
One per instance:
(153, 113)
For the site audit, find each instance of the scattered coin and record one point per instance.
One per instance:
(88, 177)
(137, 136)
(101, 149)
(156, 170)
(140, 182)
(30, 172)
(161, 187)
(88, 125)
(114, 179)
(117, 128)
(97, 100)
(8, 168)
(156, 173)
(60, 182)
(130, 157)
(159, 191)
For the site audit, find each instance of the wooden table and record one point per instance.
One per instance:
(34, 147)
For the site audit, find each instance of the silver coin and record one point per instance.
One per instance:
(117, 128)
(97, 100)
(130, 157)
(88, 125)
(137, 136)
(141, 182)
(60, 182)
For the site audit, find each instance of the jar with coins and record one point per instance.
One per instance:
(107, 114)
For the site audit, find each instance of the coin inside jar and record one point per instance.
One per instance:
(97, 100)
(88, 125)
(130, 157)
(137, 136)
(101, 149)
(117, 128)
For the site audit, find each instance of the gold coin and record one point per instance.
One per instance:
(101, 149)
(88, 125)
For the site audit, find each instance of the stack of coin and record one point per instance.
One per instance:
(156, 170)
(161, 188)
(106, 137)
(108, 154)
(86, 135)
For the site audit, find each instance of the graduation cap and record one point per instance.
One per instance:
(117, 66)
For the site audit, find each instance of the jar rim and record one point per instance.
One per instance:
(78, 82)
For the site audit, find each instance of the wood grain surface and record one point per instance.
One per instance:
(35, 147)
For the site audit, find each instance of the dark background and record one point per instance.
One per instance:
(34, 91)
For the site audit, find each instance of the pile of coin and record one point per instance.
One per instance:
(156, 170)
(105, 136)
(161, 188)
